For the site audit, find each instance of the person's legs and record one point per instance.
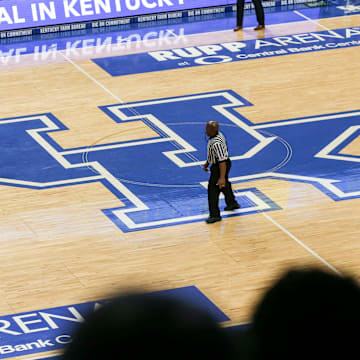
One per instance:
(231, 203)
(239, 14)
(214, 192)
(259, 14)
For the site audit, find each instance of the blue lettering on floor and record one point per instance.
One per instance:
(229, 52)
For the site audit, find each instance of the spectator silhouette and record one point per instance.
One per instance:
(141, 326)
(307, 314)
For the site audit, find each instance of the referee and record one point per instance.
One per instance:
(218, 157)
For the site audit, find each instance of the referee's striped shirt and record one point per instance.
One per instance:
(217, 149)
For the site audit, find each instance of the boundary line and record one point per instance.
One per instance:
(311, 20)
(312, 252)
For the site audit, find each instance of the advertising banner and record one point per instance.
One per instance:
(20, 14)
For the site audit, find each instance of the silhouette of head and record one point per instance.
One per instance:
(308, 314)
(140, 326)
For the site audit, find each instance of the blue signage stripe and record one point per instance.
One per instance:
(26, 19)
(152, 33)
(230, 52)
(19, 14)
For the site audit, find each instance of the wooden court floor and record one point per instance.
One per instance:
(57, 247)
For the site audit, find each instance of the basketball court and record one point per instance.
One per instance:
(103, 141)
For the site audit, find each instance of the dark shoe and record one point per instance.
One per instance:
(213, 219)
(259, 27)
(232, 207)
(238, 28)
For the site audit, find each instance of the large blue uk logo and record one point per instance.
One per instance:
(159, 180)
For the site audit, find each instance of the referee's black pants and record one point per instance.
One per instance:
(258, 9)
(214, 190)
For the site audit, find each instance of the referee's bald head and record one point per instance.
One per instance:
(212, 128)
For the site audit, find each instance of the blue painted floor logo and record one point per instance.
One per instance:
(160, 181)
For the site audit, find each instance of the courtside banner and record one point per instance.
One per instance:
(51, 329)
(21, 14)
(229, 52)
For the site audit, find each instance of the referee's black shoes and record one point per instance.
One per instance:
(213, 219)
(232, 207)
